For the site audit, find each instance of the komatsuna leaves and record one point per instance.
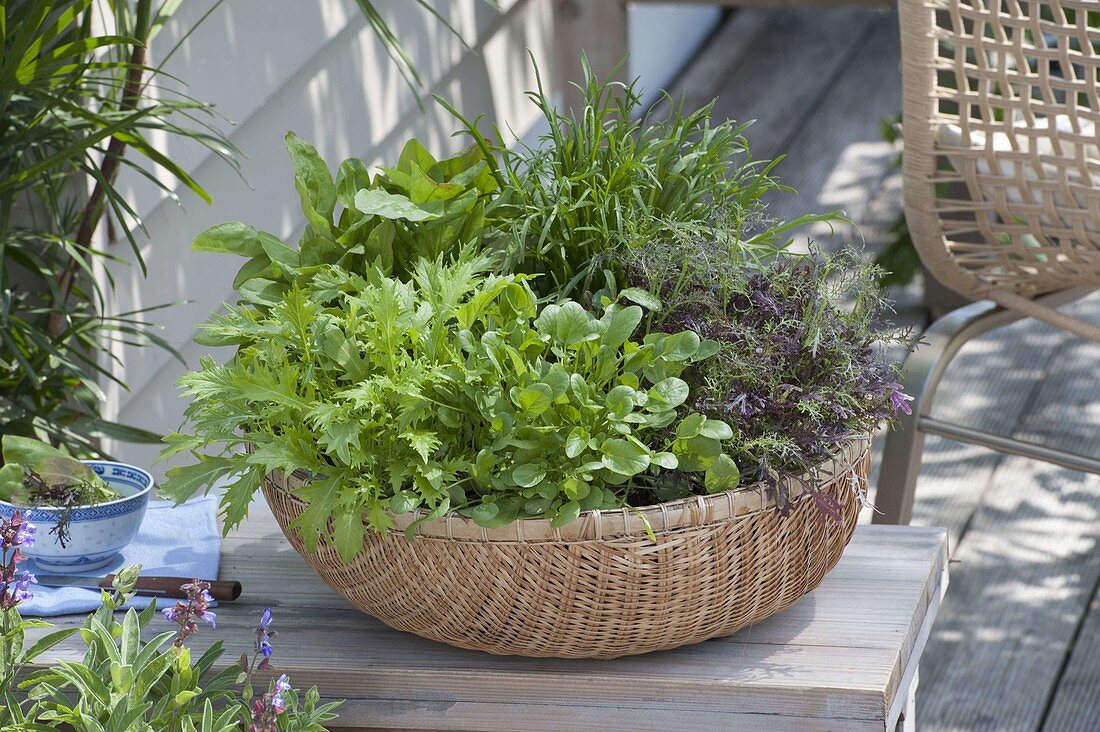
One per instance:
(671, 392)
(566, 514)
(232, 237)
(624, 457)
(576, 442)
(533, 400)
(722, 475)
(690, 426)
(696, 453)
(484, 513)
(621, 324)
(717, 429)
(376, 202)
(404, 502)
(641, 297)
(680, 346)
(528, 475)
(569, 324)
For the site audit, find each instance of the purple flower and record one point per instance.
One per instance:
(281, 687)
(22, 587)
(24, 535)
(197, 607)
(15, 532)
(899, 400)
(266, 709)
(264, 634)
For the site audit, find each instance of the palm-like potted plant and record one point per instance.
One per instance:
(574, 400)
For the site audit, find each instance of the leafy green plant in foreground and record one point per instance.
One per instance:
(126, 684)
(453, 391)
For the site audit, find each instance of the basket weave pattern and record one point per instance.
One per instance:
(599, 587)
(1013, 206)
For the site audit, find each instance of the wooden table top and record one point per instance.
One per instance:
(842, 658)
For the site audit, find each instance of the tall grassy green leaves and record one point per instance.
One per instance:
(604, 179)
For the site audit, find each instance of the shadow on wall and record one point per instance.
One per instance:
(316, 69)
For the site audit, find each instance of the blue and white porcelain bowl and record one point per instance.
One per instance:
(97, 533)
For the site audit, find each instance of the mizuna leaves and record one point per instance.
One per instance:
(452, 390)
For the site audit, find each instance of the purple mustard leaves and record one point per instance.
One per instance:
(800, 368)
(15, 533)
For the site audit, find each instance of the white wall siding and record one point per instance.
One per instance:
(313, 66)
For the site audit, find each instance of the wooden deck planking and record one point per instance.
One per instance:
(1074, 706)
(1002, 656)
(772, 67)
(1024, 576)
(838, 160)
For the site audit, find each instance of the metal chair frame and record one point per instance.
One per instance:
(921, 377)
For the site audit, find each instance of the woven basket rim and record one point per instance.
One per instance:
(662, 518)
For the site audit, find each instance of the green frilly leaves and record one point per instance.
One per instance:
(453, 390)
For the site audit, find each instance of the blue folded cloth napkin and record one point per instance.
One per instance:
(174, 541)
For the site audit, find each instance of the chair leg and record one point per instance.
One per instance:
(901, 458)
(920, 377)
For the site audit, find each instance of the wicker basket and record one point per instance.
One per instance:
(598, 587)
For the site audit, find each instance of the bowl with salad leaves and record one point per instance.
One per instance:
(86, 511)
